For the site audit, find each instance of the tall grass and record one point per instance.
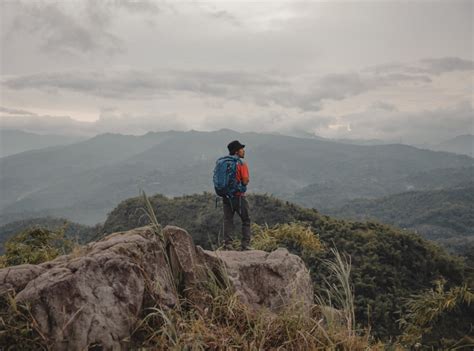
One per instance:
(338, 291)
(220, 320)
(225, 322)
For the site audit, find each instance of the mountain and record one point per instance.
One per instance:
(388, 264)
(445, 215)
(16, 141)
(462, 144)
(323, 196)
(84, 181)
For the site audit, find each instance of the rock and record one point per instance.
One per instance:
(95, 295)
(271, 279)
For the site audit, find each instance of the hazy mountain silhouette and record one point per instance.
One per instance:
(85, 180)
(16, 141)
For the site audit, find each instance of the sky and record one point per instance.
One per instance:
(392, 70)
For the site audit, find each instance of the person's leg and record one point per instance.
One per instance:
(228, 222)
(245, 216)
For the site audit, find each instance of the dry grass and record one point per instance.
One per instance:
(295, 235)
(227, 323)
(223, 321)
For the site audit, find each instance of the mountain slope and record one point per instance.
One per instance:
(445, 215)
(15, 141)
(462, 144)
(83, 181)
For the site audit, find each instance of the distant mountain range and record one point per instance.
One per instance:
(462, 144)
(85, 180)
(16, 141)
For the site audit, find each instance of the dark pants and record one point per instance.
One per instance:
(240, 205)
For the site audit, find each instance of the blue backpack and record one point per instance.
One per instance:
(225, 171)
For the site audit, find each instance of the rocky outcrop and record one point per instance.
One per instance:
(272, 279)
(95, 295)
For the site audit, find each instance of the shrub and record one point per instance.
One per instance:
(35, 245)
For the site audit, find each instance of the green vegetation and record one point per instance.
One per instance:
(35, 245)
(444, 215)
(227, 321)
(390, 274)
(388, 264)
(294, 236)
(87, 179)
(18, 328)
(432, 313)
(223, 319)
(73, 231)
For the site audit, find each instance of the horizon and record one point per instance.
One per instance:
(300, 136)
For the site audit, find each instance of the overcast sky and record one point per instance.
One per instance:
(399, 70)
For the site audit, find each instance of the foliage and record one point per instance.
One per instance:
(35, 245)
(18, 328)
(73, 231)
(295, 236)
(443, 215)
(388, 264)
(433, 311)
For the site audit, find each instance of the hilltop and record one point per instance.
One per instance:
(389, 264)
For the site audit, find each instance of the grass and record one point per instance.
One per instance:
(220, 320)
(224, 322)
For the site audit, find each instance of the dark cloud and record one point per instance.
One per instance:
(260, 88)
(381, 105)
(64, 33)
(435, 66)
(13, 111)
(225, 16)
(86, 30)
(447, 64)
(136, 84)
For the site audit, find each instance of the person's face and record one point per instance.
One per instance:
(240, 152)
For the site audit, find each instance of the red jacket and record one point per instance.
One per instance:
(242, 176)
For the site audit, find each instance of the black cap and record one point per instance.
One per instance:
(234, 146)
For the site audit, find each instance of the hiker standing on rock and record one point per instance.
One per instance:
(231, 176)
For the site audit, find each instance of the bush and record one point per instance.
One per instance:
(35, 245)
(294, 236)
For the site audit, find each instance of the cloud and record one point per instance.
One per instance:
(110, 121)
(447, 64)
(435, 66)
(381, 120)
(381, 105)
(13, 111)
(304, 93)
(412, 127)
(75, 28)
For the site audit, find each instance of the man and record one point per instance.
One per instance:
(238, 203)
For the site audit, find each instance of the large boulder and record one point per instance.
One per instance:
(275, 279)
(96, 294)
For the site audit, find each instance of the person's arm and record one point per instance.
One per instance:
(244, 174)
